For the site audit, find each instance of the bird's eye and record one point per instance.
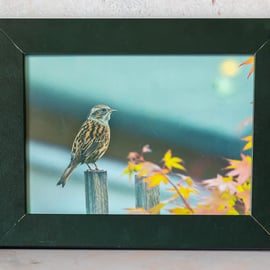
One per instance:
(103, 110)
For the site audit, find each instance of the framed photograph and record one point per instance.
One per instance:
(135, 133)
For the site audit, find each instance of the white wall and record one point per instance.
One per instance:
(135, 8)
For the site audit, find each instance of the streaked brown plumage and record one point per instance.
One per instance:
(91, 142)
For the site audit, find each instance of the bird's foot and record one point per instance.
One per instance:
(96, 167)
(89, 168)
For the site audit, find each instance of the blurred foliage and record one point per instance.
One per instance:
(229, 190)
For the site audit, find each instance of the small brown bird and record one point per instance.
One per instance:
(91, 142)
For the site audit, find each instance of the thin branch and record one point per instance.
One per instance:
(181, 196)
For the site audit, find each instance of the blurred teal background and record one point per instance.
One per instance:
(195, 105)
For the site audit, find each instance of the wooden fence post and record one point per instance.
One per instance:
(146, 198)
(96, 192)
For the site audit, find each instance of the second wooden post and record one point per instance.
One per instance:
(146, 198)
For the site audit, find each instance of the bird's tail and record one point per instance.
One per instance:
(68, 171)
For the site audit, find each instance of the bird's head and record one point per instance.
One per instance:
(101, 113)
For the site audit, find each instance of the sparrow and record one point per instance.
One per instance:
(91, 142)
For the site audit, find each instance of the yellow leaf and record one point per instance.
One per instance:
(153, 211)
(247, 185)
(177, 165)
(137, 211)
(225, 195)
(167, 155)
(138, 167)
(189, 181)
(231, 202)
(131, 168)
(186, 191)
(240, 189)
(142, 173)
(232, 212)
(227, 179)
(155, 180)
(156, 209)
(229, 198)
(248, 145)
(126, 171)
(172, 162)
(180, 211)
(221, 207)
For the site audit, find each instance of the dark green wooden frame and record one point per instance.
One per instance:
(148, 36)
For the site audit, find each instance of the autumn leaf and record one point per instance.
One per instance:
(180, 211)
(135, 157)
(251, 61)
(248, 145)
(156, 209)
(137, 211)
(244, 123)
(172, 162)
(141, 211)
(232, 212)
(146, 149)
(217, 204)
(189, 181)
(184, 191)
(228, 197)
(131, 168)
(221, 183)
(156, 179)
(150, 167)
(243, 193)
(240, 168)
(239, 206)
(143, 169)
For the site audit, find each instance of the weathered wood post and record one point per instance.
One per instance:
(146, 198)
(96, 192)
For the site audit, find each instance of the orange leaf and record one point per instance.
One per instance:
(251, 71)
(251, 61)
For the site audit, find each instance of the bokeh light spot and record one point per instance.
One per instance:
(229, 68)
(224, 87)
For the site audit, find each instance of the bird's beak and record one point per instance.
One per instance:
(113, 110)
